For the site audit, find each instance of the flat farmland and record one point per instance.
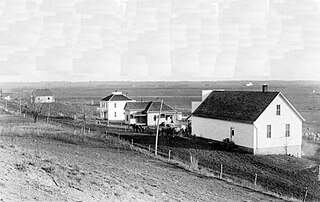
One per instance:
(304, 95)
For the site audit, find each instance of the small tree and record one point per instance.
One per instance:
(88, 114)
(84, 112)
(35, 110)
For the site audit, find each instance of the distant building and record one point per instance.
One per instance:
(262, 122)
(147, 113)
(42, 96)
(112, 107)
(6, 96)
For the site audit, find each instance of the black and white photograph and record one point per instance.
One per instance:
(159, 100)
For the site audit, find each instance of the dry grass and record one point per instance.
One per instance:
(66, 135)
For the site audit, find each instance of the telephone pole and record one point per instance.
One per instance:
(20, 106)
(157, 133)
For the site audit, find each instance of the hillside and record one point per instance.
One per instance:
(41, 162)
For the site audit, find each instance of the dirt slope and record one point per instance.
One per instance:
(34, 168)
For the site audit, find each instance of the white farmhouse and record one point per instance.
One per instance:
(261, 122)
(147, 113)
(112, 107)
(42, 96)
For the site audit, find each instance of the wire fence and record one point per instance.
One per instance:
(200, 160)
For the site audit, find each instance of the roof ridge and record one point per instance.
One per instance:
(148, 106)
(111, 97)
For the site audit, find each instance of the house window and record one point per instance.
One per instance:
(115, 114)
(278, 110)
(287, 130)
(231, 133)
(115, 105)
(127, 117)
(268, 131)
(155, 117)
(48, 98)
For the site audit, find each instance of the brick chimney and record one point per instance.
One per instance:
(264, 88)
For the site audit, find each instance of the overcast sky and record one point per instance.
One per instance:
(83, 40)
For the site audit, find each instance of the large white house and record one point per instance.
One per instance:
(147, 113)
(261, 122)
(42, 96)
(112, 107)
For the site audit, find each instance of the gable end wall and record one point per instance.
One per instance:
(278, 143)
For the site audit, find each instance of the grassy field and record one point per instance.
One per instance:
(281, 174)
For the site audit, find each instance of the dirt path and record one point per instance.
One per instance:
(39, 169)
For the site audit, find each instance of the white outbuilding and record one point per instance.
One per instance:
(42, 96)
(261, 122)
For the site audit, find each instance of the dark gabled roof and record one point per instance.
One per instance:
(116, 97)
(155, 107)
(5, 94)
(107, 98)
(151, 106)
(240, 106)
(42, 92)
(138, 106)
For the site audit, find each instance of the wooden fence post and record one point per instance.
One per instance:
(319, 174)
(149, 148)
(305, 195)
(132, 141)
(169, 155)
(221, 169)
(255, 180)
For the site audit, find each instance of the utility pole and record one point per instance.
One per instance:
(48, 114)
(20, 106)
(157, 133)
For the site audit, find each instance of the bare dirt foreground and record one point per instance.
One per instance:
(35, 166)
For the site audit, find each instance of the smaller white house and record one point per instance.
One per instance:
(260, 122)
(42, 96)
(6, 96)
(147, 113)
(112, 107)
